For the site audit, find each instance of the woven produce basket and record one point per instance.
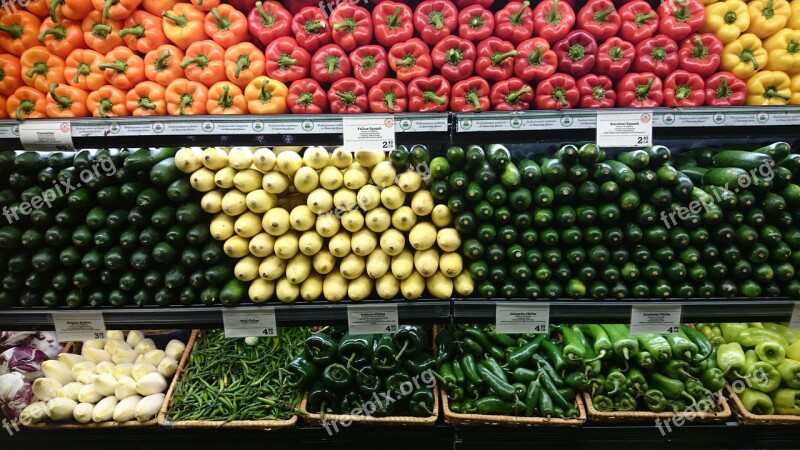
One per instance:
(75, 347)
(317, 418)
(745, 417)
(164, 421)
(722, 413)
(491, 419)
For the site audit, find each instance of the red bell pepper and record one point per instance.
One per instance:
(576, 53)
(454, 57)
(429, 94)
(614, 58)
(639, 21)
(470, 95)
(680, 18)
(286, 61)
(348, 96)
(512, 94)
(269, 21)
(435, 19)
(369, 64)
(700, 54)
(295, 6)
(682, 88)
(553, 20)
(306, 96)
(724, 89)
(410, 59)
(388, 96)
(330, 63)
(657, 54)
(535, 60)
(461, 4)
(640, 90)
(600, 18)
(351, 26)
(475, 23)
(310, 28)
(495, 59)
(557, 92)
(514, 22)
(596, 91)
(394, 22)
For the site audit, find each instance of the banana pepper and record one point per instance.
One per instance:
(727, 20)
(768, 88)
(756, 402)
(787, 401)
(783, 49)
(767, 17)
(745, 56)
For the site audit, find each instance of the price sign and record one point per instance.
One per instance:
(371, 133)
(79, 326)
(372, 319)
(38, 135)
(794, 323)
(519, 318)
(625, 129)
(240, 323)
(660, 319)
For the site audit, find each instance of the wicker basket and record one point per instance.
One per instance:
(364, 419)
(745, 417)
(164, 421)
(722, 413)
(75, 347)
(487, 419)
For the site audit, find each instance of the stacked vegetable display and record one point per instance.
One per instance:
(75, 58)
(344, 373)
(238, 379)
(106, 227)
(328, 225)
(580, 224)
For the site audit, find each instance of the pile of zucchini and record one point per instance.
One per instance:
(125, 227)
(579, 223)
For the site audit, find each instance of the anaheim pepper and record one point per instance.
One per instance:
(514, 22)
(143, 32)
(108, 101)
(286, 61)
(614, 58)
(330, 63)
(640, 90)
(183, 25)
(10, 76)
(513, 94)
(475, 23)
(658, 54)
(40, 68)
(225, 98)
(680, 18)
(576, 53)
(310, 28)
(410, 59)
(700, 54)
(351, 26)
(19, 32)
(306, 96)
(557, 92)
(639, 21)
(146, 99)
(163, 65)
(348, 96)
(724, 89)
(435, 19)
(101, 34)
(269, 20)
(370, 64)
(470, 95)
(393, 23)
(727, 20)
(535, 60)
(81, 70)
(61, 38)
(454, 57)
(495, 59)
(186, 97)
(27, 103)
(553, 20)
(428, 94)
(596, 91)
(768, 88)
(388, 96)
(266, 96)
(66, 101)
(683, 88)
(600, 18)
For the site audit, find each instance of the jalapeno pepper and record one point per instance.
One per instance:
(524, 354)
(482, 339)
(500, 406)
(493, 366)
(499, 339)
(545, 366)
(501, 387)
(472, 347)
(558, 399)
(555, 355)
(532, 398)
(446, 376)
(523, 375)
(470, 369)
(458, 372)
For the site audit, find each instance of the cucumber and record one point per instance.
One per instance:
(479, 270)
(175, 277)
(773, 204)
(565, 215)
(212, 253)
(742, 159)
(592, 235)
(105, 238)
(523, 220)
(129, 281)
(629, 200)
(456, 156)
(609, 190)
(163, 216)
(726, 177)
(588, 191)
(62, 280)
(20, 262)
(665, 255)
(165, 172)
(130, 191)
(140, 259)
(783, 177)
(543, 196)
(96, 218)
(543, 217)
(116, 258)
(485, 175)
(614, 236)
(586, 214)
(791, 162)
(164, 253)
(564, 192)
(29, 162)
(32, 239)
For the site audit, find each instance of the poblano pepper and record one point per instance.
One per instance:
(368, 381)
(337, 376)
(356, 350)
(301, 373)
(321, 349)
(410, 340)
(320, 399)
(420, 404)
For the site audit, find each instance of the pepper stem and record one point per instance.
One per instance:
(353, 355)
(658, 54)
(225, 101)
(616, 53)
(773, 92)
(535, 58)
(769, 11)
(473, 98)
(368, 63)
(682, 14)
(454, 56)
(602, 15)
(137, 32)
(577, 52)
(498, 58)
(730, 17)
(83, 70)
(15, 31)
(348, 98)
(331, 62)
(553, 16)
(266, 96)
(512, 98)
(393, 21)
(242, 62)
(186, 100)
(286, 62)
(101, 30)
(793, 46)
(107, 6)
(598, 93)
(641, 19)
(476, 22)
(118, 66)
(560, 95)
(267, 20)
(407, 61)
(39, 68)
(223, 23)
(58, 33)
(431, 97)
(516, 18)
(306, 98)
(747, 56)
(348, 25)
(682, 92)
(699, 51)
(63, 101)
(402, 350)
(105, 107)
(389, 98)
(436, 18)
(642, 93)
(25, 107)
(180, 21)
(53, 6)
(160, 63)
(314, 26)
(146, 103)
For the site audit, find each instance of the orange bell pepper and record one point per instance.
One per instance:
(61, 38)
(146, 99)
(206, 5)
(70, 9)
(39, 8)
(226, 26)
(101, 34)
(205, 62)
(163, 65)
(66, 101)
(243, 62)
(186, 97)
(40, 68)
(3, 110)
(266, 96)
(156, 7)
(81, 70)
(143, 32)
(19, 31)
(183, 25)
(107, 101)
(226, 98)
(10, 76)
(123, 68)
(116, 9)
(27, 103)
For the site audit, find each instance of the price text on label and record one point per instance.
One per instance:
(79, 326)
(249, 323)
(518, 318)
(369, 319)
(629, 129)
(373, 133)
(48, 135)
(660, 319)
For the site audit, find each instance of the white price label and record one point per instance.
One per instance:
(625, 129)
(79, 326)
(519, 318)
(660, 319)
(369, 319)
(38, 135)
(370, 133)
(794, 323)
(249, 323)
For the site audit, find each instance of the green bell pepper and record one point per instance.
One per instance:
(757, 402)
(420, 404)
(730, 358)
(337, 376)
(763, 376)
(783, 330)
(751, 337)
(383, 357)
(657, 345)
(356, 351)
(410, 339)
(790, 373)
(771, 352)
(321, 349)
(793, 351)
(787, 401)
(732, 329)
(301, 373)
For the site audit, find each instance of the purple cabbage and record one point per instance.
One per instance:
(47, 342)
(15, 394)
(10, 339)
(25, 360)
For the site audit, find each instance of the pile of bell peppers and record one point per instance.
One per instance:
(486, 372)
(72, 58)
(765, 357)
(342, 372)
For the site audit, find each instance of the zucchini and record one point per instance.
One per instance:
(497, 155)
(485, 175)
(475, 157)
(474, 193)
(567, 154)
(577, 173)
(777, 151)
(82, 236)
(592, 235)
(588, 154)
(633, 233)
(565, 215)
(646, 180)
(140, 259)
(128, 239)
(472, 249)
(80, 198)
(682, 190)
(212, 253)
(726, 177)
(564, 192)
(609, 214)
(620, 256)
(96, 218)
(623, 175)
(695, 173)
(149, 237)
(440, 190)
(773, 204)
(440, 168)
(149, 199)
(523, 220)
(145, 158)
(479, 270)
(175, 277)
(458, 182)
(515, 254)
(32, 239)
(529, 238)
(533, 257)
(588, 191)
(116, 258)
(165, 172)
(610, 275)
(456, 156)
(640, 254)
(105, 238)
(530, 172)
(586, 214)
(614, 236)
(609, 190)
(742, 159)
(636, 159)
(520, 199)
(165, 297)
(188, 213)
(163, 216)
(575, 256)
(164, 253)
(483, 210)
(658, 154)
(629, 200)
(602, 172)
(20, 262)
(511, 176)
(553, 172)
(543, 196)
(665, 255)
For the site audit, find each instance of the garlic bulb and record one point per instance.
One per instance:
(88, 394)
(175, 349)
(122, 355)
(33, 413)
(61, 408)
(154, 357)
(122, 370)
(144, 346)
(96, 355)
(115, 334)
(58, 371)
(83, 412)
(46, 389)
(104, 409)
(148, 407)
(134, 336)
(70, 359)
(126, 387)
(104, 384)
(70, 390)
(140, 370)
(168, 367)
(152, 383)
(104, 367)
(83, 372)
(94, 343)
(126, 409)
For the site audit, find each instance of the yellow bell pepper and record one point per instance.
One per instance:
(727, 20)
(767, 17)
(794, 19)
(769, 87)
(795, 87)
(709, 2)
(783, 49)
(744, 56)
